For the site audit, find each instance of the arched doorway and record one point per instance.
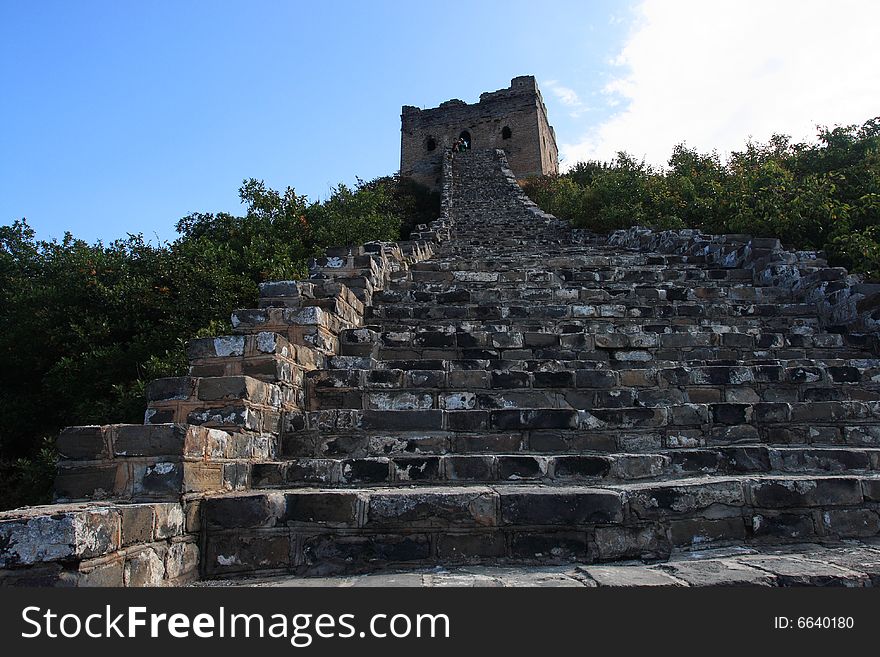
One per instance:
(465, 136)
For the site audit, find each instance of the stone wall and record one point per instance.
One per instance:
(141, 544)
(530, 148)
(129, 498)
(841, 299)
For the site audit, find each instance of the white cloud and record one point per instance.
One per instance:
(716, 73)
(568, 97)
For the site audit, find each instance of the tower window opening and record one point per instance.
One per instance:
(431, 144)
(506, 132)
(465, 136)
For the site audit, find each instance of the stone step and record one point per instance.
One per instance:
(570, 258)
(620, 308)
(851, 564)
(321, 530)
(233, 403)
(631, 323)
(98, 544)
(559, 340)
(609, 293)
(555, 394)
(163, 461)
(576, 264)
(231, 416)
(664, 343)
(664, 337)
(358, 433)
(611, 418)
(266, 356)
(625, 278)
(680, 372)
(461, 469)
(583, 348)
(408, 469)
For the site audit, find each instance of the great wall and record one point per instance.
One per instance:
(501, 389)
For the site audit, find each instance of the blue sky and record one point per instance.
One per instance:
(119, 117)
(122, 117)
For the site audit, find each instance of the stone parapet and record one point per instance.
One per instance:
(162, 461)
(145, 544)
(840, 298)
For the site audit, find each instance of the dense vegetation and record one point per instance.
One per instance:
(822, 195)
(85, 326)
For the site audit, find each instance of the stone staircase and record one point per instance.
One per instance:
(505, 389)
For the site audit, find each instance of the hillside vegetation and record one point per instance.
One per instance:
(86, 326)
(821, 195)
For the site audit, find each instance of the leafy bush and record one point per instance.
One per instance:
(85, 326)
(824, 195)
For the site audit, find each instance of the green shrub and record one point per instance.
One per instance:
(824, 195)
(85, 326)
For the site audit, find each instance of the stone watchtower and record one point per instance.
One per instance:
(512, 119)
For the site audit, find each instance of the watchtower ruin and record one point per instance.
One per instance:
(512, 119)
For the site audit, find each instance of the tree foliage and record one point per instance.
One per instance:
(821, 195)
(85, 326)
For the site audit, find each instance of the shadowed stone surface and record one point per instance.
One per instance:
(796, 565)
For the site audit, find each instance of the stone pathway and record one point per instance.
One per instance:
(849, 564)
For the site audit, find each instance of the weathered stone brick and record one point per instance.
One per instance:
(83, 443)
(731, 413)
(648, 542)
(137, 524)
(464, 547)
(468, 467)
(340, 507)
(145, 568)
(559, 506)
(539, 418)
(596, 379)
(329, 553)
(403, 420)
(851, 523)
(33, 538)
(247, 551)
(241, 511)
(580, 466)
(521, 467)
(471, 507)
(723, 497)
(549, 544)
(92, 481)
(467, 420)
(783, 525)
(416, 469)
(182, 561)
(806, 492)
(509, 379)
